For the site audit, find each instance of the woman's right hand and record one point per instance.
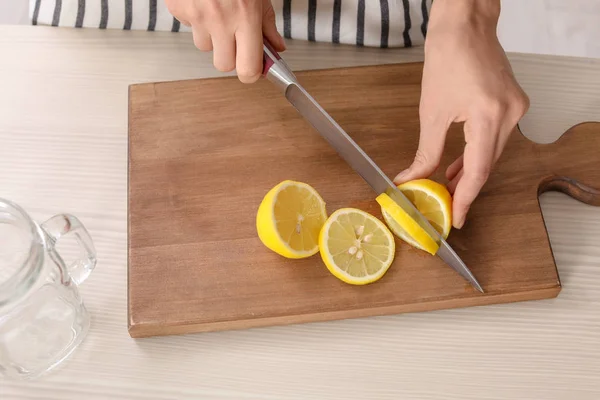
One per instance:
(233, 30)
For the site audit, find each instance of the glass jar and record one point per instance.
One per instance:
(42, 316)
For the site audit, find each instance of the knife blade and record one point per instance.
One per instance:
(277, 71)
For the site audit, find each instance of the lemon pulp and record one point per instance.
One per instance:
(290, 218)
(433, 200)
(356, 247)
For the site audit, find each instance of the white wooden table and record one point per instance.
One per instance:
(63, 147)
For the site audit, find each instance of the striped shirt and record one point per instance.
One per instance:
(375, 23)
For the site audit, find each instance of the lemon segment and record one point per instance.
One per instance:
(356, 247)
(290, 218)
(433, 201)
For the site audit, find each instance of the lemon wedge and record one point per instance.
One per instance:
(433, 200)
(290, 218)
(356, 247)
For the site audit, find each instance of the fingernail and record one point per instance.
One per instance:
(401, 175)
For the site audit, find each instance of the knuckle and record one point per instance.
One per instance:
(480, 176)
(215, 12)
(248, 78)
(194, 15)
(423, 163)
(248, 10)
(224, 65)
(248, 73)
(520, 104)
(494, 108)
(195, 12)
(461, 205)
(421, 158)
(202, 44)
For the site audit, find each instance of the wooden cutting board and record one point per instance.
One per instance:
(203, 153)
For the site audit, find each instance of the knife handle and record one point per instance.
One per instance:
(270, 56)
(275, 69)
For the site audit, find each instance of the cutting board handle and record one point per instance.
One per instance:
(572, 188)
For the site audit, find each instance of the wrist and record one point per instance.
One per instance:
(479, 14)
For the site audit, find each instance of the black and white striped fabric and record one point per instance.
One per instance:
(375, 23)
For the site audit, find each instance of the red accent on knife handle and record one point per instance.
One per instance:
(267, 60)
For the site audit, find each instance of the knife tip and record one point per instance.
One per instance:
(478, 287)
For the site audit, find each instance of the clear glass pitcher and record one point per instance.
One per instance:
(42, 316)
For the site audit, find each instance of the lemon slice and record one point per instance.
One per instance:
(356, 247)
(290, 218)
(433, 201)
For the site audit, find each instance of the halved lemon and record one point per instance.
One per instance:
(433, 200)
(356, 247)
(290, 218)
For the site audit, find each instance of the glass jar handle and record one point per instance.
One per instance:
(65, 224)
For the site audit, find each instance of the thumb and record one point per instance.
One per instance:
(269, 27)
(429, 153)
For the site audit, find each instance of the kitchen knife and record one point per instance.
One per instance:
(276, 70)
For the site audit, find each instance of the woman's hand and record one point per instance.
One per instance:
(466, 78)
(233, 30)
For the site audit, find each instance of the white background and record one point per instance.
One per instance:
(534, 26)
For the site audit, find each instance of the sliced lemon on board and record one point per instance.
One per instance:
(290, 218)
(433, 200)
(356, 247)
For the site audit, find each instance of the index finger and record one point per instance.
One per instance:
(478, 160)
(432, 139)
(249, 55)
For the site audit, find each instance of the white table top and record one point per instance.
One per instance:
(63, 148)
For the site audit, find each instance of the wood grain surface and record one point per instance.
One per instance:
(203, 153)
(63, 148)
